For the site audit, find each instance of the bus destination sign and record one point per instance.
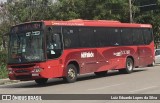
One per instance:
(26, 27)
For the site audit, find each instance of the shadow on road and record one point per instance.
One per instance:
(53, 82)
(110, 74)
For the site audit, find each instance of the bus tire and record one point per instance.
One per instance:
(101, 74)
(41, 81)
(71, 74)
(129, 66)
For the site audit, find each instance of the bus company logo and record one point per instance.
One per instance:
(6, 97)
(87, 55)
(120, 53)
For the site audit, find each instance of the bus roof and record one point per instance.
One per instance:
(102, 23)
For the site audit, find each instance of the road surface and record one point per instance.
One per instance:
(141, 81)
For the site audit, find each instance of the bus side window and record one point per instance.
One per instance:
(86, 37)
(138, 37)
(67, 42)
(54, 43)
(70, 37)
(147, 34)
(114, 37)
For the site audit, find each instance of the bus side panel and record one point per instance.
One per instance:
(104, 59)
(68, 57)
(150, 53)
(114, 57)
(86, 59)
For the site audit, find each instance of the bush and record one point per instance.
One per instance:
(3, 63)
(3, 57)
(3, 71)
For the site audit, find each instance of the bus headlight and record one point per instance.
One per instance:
(10, 71)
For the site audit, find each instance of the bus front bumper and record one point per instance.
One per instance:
(24, 74)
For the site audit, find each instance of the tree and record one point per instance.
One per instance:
(93, 9)
(151, 17)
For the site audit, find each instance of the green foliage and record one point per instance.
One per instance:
(25, 10)
(151, 17)
(3, 60)
(3, 71)
(3, 57)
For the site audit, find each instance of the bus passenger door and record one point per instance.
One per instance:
(89, 54)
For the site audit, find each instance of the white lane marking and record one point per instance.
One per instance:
(142, 89)
(106, 87)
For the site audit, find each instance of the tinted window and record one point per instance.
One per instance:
(127, 37)
(101, 36)
(70, 37)
(114, 36)
(147, 36)
(138, 36)
(86, 37)
(54, 42)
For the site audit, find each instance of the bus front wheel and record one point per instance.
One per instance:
(71, 74)
(41, 81)
(129, 66)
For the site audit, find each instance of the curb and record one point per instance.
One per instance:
(7, 81)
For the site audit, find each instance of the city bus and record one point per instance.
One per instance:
(41, 50)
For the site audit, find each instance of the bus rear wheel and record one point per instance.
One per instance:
(151, 65)
(41, 81)
(71, 73)
(101, 74)
(129, 67)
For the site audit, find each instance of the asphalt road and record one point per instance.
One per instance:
(141, 81)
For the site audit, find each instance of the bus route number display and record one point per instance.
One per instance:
(26, 27)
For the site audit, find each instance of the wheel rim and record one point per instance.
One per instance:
(129, 66)
(71, 73)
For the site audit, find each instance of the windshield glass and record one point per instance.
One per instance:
(26, 47)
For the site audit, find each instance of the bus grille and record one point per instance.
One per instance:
(22, 71)
(21, 77)
(23, 66)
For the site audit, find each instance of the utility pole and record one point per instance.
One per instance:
(130, 12)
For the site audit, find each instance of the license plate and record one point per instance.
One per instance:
(35, 74)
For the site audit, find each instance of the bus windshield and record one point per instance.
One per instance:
(26, 47)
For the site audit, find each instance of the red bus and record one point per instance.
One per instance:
(54, 49)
